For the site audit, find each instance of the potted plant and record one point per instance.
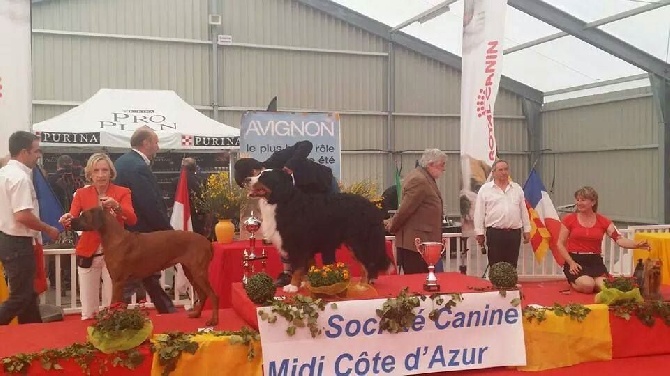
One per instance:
(117, 328)
(619, 290)
(329, 280)
(221, 199)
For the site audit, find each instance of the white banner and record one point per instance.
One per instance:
(15, 70)
(484, 330)
(483, 32)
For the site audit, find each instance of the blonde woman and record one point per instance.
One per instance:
(99, 173)
(580, 241)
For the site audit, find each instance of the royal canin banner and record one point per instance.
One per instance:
(483, 32)
(15, 70)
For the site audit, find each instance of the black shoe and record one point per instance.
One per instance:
(283, 279)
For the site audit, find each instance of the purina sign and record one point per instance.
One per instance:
(89, 138)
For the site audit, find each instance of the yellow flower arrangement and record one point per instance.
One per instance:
(328, 275)
(220, 197)
(366, 188)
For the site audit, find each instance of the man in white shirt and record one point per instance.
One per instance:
(501, 216)
(19, 226)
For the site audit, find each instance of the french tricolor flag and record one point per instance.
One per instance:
(181, 220)
(544, 220)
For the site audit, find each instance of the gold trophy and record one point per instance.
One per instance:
(432, 254)
(252, 224)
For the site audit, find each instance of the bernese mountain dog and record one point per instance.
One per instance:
(300, 225)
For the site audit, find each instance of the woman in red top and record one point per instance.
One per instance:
(91, 266)
(580, 240)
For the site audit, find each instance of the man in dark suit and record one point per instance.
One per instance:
(133, 171)
(309, 177)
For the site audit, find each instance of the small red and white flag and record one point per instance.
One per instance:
(181, 220)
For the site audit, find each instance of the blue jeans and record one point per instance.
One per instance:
(18, 258)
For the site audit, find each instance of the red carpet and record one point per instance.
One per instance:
(29, 338)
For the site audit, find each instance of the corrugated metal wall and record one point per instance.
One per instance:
(310, 60)
(609, 142)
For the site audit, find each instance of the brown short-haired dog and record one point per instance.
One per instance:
(138, 255)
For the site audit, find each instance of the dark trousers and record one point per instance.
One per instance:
(152, 285)
(503, 245)
(411, 262)
(18, 259)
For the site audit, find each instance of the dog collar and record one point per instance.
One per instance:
(270, 169)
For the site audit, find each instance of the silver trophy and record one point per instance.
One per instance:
(252, 224)
(432, 254)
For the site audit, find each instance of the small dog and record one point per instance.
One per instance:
(652, 279)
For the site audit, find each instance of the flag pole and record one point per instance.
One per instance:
(537, 159)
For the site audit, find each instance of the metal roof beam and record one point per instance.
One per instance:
(596, 23)
(661, 90)
(596, 37)
(417, 45)
(596, 84)
(427, 15)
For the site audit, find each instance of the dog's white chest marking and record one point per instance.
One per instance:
(269, 224)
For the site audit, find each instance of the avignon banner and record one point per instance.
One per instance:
(263, 133)
(15, 70)
(483, 32)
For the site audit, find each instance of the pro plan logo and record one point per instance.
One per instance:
(484, 100)
(87, 138)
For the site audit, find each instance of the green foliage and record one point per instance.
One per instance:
(503, 275)
(623, 284)
(647, 311)
(573, 311)
(299, 312)
(260, 288)
(397, 314)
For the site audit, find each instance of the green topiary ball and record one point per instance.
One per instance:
(503, 275)
(260, 288)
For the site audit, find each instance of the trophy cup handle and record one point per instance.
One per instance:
(445, 244)
(417, 244)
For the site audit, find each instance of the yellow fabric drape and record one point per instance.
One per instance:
(216, 357)
(660, 249)
(560, 341)
(4, 290)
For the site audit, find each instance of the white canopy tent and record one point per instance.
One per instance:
(108, 119)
